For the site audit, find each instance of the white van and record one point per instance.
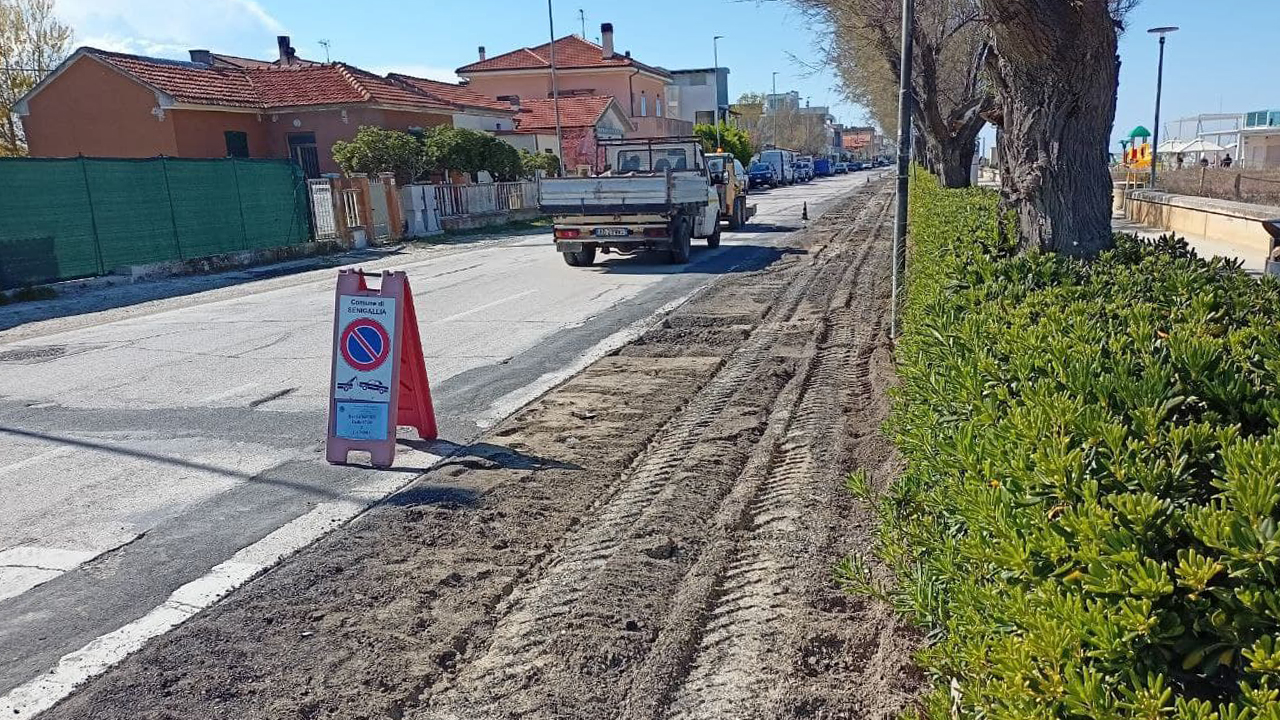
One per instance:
(783, 164)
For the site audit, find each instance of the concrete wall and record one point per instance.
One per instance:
(94, 110)
(200, 134)
(483, 123)
(1222, 220)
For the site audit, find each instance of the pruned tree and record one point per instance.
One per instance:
(948, 83)
(32, 43)
(1055, 71)
(785, 126)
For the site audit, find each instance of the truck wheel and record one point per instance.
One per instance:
(582, 258)
(680, 241)
(713, 240)
(735, 217)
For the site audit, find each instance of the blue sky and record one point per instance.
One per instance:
(1224, 56)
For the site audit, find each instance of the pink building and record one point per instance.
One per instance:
(582, 69)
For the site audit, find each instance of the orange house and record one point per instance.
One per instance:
(582, 69)
(107, 104)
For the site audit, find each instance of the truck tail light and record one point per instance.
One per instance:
(655, 232)
(567, 233)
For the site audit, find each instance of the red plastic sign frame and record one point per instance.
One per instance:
(365, 419)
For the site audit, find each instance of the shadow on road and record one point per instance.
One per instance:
(270, 476)
(724, 260)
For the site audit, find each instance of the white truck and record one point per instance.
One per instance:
(783, 163)
(656, 195)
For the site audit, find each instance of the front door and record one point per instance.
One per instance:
(302, 149)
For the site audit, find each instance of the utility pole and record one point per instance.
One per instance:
(715, 53)
(773, 132)
(555, 89)
(1155, 138)
(904, 161)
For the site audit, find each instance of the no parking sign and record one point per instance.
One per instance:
(379, 379)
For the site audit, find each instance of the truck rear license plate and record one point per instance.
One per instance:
(611, 232)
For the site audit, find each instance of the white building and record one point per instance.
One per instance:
(697, 95)
(1252, 139)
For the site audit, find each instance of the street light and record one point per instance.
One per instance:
(899, 275)
(1155, 140)
(773, 132)
(715, 53)
(555, 89)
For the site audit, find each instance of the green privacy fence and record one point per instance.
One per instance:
(63, 218)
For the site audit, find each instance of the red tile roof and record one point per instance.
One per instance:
(582, 111)
(266, 87)
(451, 93)
(323, 85)
(571, 52)
(185, 81)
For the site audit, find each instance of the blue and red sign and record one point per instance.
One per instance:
(364, 345)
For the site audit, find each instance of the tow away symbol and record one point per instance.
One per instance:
(374, 386)
(348, 384)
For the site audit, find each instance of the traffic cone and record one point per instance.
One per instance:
(804, 213)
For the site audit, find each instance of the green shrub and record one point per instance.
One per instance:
(1087, 525)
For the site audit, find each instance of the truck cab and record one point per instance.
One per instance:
(657, 194)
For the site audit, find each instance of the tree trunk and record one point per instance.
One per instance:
(1056, 72)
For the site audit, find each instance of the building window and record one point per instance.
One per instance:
(644, 104)
(237, 143)
(657, 107)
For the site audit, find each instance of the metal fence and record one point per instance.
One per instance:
(485, 198)
(63, 218)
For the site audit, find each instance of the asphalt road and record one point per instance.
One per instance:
(146, 446)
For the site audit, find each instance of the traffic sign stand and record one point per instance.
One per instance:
(378, 378)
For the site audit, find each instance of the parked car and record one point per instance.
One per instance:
(857, 165)
(841, 168)
(761, 174)
(804, 172)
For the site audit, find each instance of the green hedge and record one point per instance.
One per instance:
(1087, 525)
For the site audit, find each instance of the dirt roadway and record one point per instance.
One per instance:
(652, 539)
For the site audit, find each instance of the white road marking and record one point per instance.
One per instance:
(34, 459)
(74, 668)
(517, 399)
(485, 306)
(227, 394)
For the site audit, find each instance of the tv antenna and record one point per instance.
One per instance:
(325, 44)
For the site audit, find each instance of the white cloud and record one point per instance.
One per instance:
(169, 27)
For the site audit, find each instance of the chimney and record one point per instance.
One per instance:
(286, 51)
(481, 53)
(606, 40)
(204, 57)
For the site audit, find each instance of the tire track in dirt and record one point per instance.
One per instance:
(515, 674)
(736, 670)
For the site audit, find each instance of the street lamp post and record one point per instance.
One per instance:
(555, 90)
(905, 99)
(773, 131)
(1155, 139)
(715, 53)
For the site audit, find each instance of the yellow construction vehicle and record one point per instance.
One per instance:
(731, 184)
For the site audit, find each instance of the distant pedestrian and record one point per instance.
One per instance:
(1180, 160)
(1204, 162)
(1226, 161)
